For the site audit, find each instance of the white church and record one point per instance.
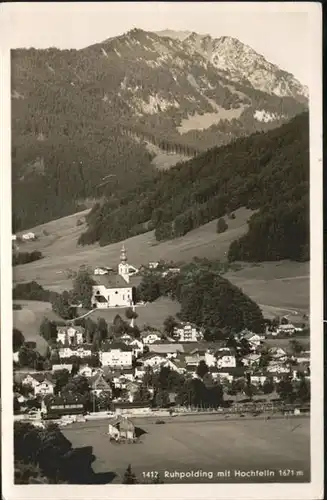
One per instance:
(114, 290)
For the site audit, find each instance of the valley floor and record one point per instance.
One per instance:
(207, 445)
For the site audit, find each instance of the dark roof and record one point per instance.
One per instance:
(100, 298)
(237, 371)
(166, 348)
(97, 382)
(68, 398)
(40, 377)
(112, 281)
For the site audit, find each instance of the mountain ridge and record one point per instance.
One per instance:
(71, 108)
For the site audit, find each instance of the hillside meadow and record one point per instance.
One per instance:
(279, 287)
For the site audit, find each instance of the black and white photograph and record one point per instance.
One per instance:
(161, 252)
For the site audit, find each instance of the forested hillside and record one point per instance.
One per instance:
(81, 115)
(267, 172)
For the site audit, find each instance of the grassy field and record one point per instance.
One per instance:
(279, 287)
(29, 318)
(209, 445)
(151, 314)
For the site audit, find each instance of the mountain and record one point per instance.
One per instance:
(241, 63)
(265, 172)
(88, 124)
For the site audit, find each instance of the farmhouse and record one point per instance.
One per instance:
(150, 338)
(114, 290)
(121, 427)
(116, 355)
(70, 335)
(287, 329)
(28, 236)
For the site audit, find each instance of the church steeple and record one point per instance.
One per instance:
(123, 256)
(123, 268)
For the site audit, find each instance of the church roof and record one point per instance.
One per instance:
(112, 281)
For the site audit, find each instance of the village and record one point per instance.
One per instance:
(151, 373)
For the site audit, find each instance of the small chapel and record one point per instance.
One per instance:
(114, 289)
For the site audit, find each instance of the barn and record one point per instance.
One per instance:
(121, 427)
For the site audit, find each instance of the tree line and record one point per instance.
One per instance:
(266, 172)
(26, 257)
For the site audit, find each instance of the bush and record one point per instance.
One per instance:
(26, 257)
(222, 226)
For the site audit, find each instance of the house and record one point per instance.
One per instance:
(137, 347)
(15, 357)
(186, 332)
(57, 406)
(102, 270)
(70, 335)
(150, 338)
(88, 371)
(63, 366)
(120, 378)
(304, 357)
(114, 290)
(126, 338)
(277, 367)
(251, 359)
(154, 360)
(210, 358)
(153, 265)
(41, 383)
(82, 351)
(258, 378)
(116, 355)
(139, 372)
(121, 427)
(171, 270)
(278, 353)
(192, 360)
(28, 236)
(253, 338)
(13, 237)
(99, 385)
(177, 365)
(45, 387)
(287, 329)
(230, 374)
(225, 358)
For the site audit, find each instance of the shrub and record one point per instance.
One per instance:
(222, 225)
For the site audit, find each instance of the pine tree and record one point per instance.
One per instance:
(129, 476)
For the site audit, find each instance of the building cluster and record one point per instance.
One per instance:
(123, 364)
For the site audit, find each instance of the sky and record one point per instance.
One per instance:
(275, 30)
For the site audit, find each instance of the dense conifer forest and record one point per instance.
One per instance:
(266, 172)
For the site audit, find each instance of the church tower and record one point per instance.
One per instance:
(123, 268)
